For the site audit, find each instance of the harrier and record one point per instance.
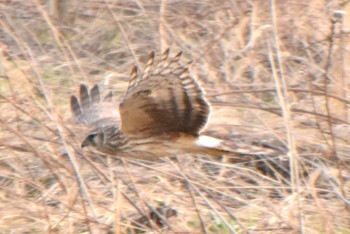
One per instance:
(162, 114)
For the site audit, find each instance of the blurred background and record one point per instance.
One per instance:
(277, 76)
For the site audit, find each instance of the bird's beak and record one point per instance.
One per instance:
(85, 143)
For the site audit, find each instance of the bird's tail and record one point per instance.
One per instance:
(212, 146)
(212, 151)
(206, 145)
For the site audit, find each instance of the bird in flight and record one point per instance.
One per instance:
(162, 114)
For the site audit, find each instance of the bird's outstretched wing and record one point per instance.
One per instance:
(166, 98)
(90, 109)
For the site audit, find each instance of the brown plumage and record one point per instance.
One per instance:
(162, 113)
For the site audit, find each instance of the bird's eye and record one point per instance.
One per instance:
(96, 138)
(92, 136)
(89, 140)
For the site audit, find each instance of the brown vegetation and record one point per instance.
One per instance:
(277, 75)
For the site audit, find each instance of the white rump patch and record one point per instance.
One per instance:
(208, 141)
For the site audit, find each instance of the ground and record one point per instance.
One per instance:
(275, 72)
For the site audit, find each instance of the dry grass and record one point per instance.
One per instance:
(277, 74)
